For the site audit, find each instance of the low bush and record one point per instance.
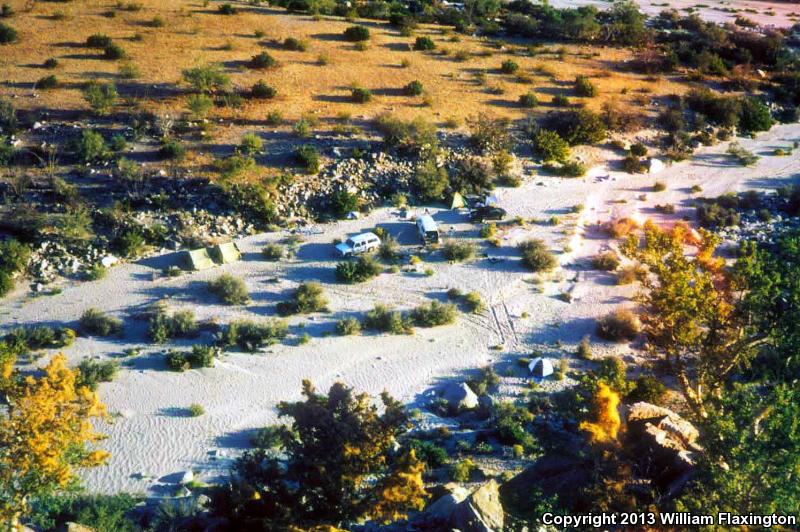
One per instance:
(251, 336)
(607, 261)
(113, 51)
(413, 88)
(262, 61)
(424, 44)
(95, 322)
(294, 44)
(549, 146)
(196, 410)
(100, 96)
(428, 452)
(633, 164)
(273, 252)
(8, 34)
(509, 67)
(308, 297)
(98, 40)
(200, 356)
(47, 82)
(360, 95)
(473, 302)
(584, 87)
(356, 34)
(6, 11)
(638, 149)
(226, 9)
(51, 63)
(90, 147)
(536, 256)
(629, 274)
(462, 471)
(348, 326)
(231, 290)
(619, 326)
(199, 105)
(363, 269)
(93, 372)
(559, 100)
(585, 349)
(260, 90)
(381, 318)
(207, 78)
(621, 227)
(528, 100)
(40, 337)
(567, 169)
(251, 144)
(647, 389)
(270, 437)
(434, 314)
(578, 127)
(163, 326)
(458, 250)
(308, 156)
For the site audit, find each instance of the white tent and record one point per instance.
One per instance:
(540, 367)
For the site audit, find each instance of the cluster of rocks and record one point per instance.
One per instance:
(50, 259)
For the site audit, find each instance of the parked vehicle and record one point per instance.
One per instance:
(488, 212)
(428, 229)
(358, 244)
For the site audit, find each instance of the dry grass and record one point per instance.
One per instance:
(194, 35)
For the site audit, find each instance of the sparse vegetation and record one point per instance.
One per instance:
(95, 322)
(458, 250)
(619, 326)
(231, 290)
(536, 256)
(308, 297)
(363, 269)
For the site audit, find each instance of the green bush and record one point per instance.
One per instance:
(226, 9)
(200, 356)
(199, 105)
(100, 96)
(91, 147)
(172, 149)
(578, 127)
(113, 51)
(754, 115)
(356, 34)
(309, 297)
(40, 337)
(619, 326)
(585, 349)
(428, 452)
(348, 326)
(381, 318)
(462, 471)
(14, 257)
(164, 326)
(607, 261)
(8, 117)
(262, 61)
(474, 302)
(509, 67)
(273, 252)
(536, 256)
(549, 146)
(363, 269)
(95, 322)
(47, 82)
(424, 44)
(250, 335)
(431, 180)
(262, 91)
(51, 63)
(633, 164)
(93, 372)
(231, 290)
(647, 389)
(308, 156)
(270, 437)
(208, 78)
(528, 100)
(434, 314)
(638, 149)
(413, 88)
(6, 11)
(458, 250)
(97, 512)
(559, 100)
(294, 44)
(98, 40)
(360, 95)
(584, 87)
(567, 169)
(251, 144)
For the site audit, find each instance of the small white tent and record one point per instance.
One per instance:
(540, 367)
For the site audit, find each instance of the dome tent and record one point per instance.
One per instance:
(540, 367)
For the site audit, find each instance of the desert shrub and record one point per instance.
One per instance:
(430, 180)
(309, 297)
(251, 144)
(621, 227)
(585, 349)
(163, 326)
(294, 44)
(536, 256)
(638, 149)
(381, 318)
(356, 34)
(14, 257)
(584, 87)
(434, 314)
(428, 452)
(560, 100)
(90, 147)
(462, 471)
(413, 88)
(207, 78)
(113, 51)
(743, 156)
(414, 135)
(528, 100)
(424, 44)
(93, 372)
(100, 96)
(473, 302)
(666, 208)
(231, 290)
(714, 215)
(308, 156)
(130, 243)
(95, 322)
(360, 95)
(250, 335)
(348, 326)
(8, 34)
(98, 40)
(200, 356)
(235, 165)
(619, 326)
(6, 11)
(273, 252)
(633, 164)
(607, 261)
(171, 149)
(40, 337)
(252, 200)
(270, 437)
(199, 105)
(51, 63)
(226, 9)
(262, 61)
(509, 67)
(274, 118)
(549, 146)
(567, 169)
(128, 70)
(47, 82)
(196, 410)
(458, 250)
(389, 249)
(363, 269)
(648, 389)
(629, 274)
(262, 91)
(578, 127)
(754, 115)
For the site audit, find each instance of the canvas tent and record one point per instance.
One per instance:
(225, 253)
(458, 201)
(196, 259)
(540, 368)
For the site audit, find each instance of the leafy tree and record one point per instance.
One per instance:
(100, 96)
(550, 146)
(208, 78)
(401, 490)
(430, 180)
(45, 434)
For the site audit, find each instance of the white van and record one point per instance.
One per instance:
(427, 229)
(358, 244)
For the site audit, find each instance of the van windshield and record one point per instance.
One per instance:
(433, 235)
(350, 242)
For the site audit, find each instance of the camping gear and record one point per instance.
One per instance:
(458, 201)
(225, 253)
(540, 368)
(196, 259)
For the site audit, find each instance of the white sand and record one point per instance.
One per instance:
(786, 14)
(151, 437)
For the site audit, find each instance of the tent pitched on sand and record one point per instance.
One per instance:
(458, 201)
(196, 259)
(540, 368)
(225, 253)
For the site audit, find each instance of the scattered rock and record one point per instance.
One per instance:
(459, 397)
(481, 512)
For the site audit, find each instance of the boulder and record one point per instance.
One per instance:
(460, 397)
(654, 165)
(445, 506)
(481, 512)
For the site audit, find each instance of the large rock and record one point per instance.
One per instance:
(481, 512)
(460, 397)
(666, 420)
(443, 508)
